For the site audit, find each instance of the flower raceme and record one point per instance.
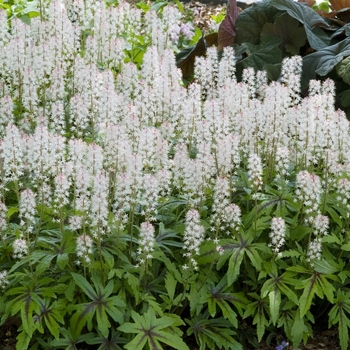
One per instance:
(277, 234)
(193, 236)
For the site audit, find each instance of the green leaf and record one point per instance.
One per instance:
(255, 256)
(251, 21)
(346, 247)
(298, 329)
(302, 13)
(266, 52)
(288, 29)
(275, 302)
(308, 295)
(323, 266)
(83, 316)
(334, 216)
(338, 314)
(345, 98)
(152, 330)
(62, 260)
(288, 293)
(309, 18)
(343, 328)
(234, 265)
(102, 320)
(343, 69)
(185, 59)
(317, 38)
(261, 322)
(158, 5)
(323, 61)
(23, 340)
(273, 70)
(138, 342)
(327, 288)
(180, 6)
(170, 285)
(11, 211)
(44, 264)
(84, 285)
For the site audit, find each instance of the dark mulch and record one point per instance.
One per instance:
(324, 339)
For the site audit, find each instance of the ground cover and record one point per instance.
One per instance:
(140, 212)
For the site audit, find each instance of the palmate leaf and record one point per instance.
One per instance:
(316, 284)
(70, 339)
(108, 343)
(257, 309)
(152, 331)
(48, 314)
(213, 333)
(338, 314)
(101, 305)
(274, 287)
(218, 297)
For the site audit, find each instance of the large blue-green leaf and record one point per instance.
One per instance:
(301, 12)
(309, 18)
(318, 39)
(266, 52)
(288, 29)
(251, 21)
(323, 61)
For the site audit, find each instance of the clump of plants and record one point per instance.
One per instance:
(269, 31)
(139, 213)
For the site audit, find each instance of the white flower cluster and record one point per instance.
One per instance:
(232, 215)
(99, 204)
(146, 242)
(320, 227)
(3, 279)
(343, 190)
(83, 249)
(27, 209)
(277, 234)
(20, 248)
(282, 162)
(314, 251)
(75, 222)
(291, 70)
(255, 171)
(193, 236)
(61, 194)
(309, 191)
(3, 219)
(225, 214)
